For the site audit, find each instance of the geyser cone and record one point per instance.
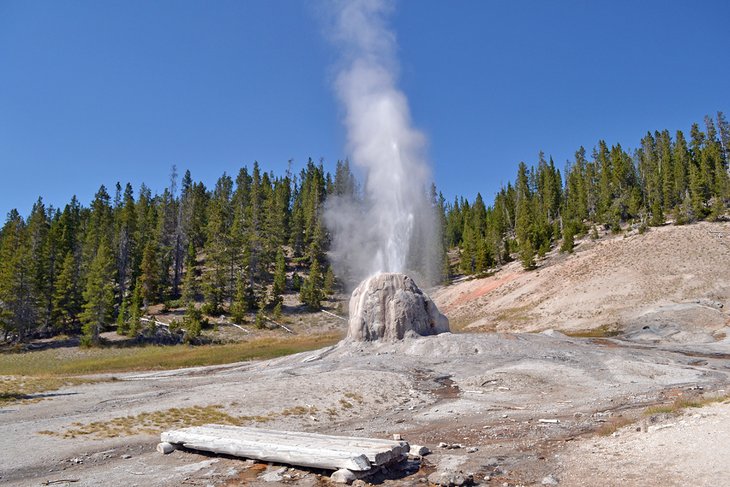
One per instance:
(390, 306)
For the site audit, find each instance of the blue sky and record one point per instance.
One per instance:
(96, 92)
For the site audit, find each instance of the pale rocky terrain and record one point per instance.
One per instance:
(613, 282)
(506, 408)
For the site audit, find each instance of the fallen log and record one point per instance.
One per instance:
(294, 448)
(378, 452)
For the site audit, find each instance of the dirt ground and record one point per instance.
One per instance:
(612, 282)
(508, 408)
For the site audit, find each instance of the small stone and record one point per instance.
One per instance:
(449, 479)
(550, 480)
(418, 450)
(443, 445)
(472, 449)
(126, 456)
(397, 437)
(343, 476)
(273, 476)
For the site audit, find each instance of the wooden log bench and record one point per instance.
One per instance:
(312, 450)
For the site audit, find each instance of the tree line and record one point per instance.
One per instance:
(78, 269)
(240, 246)
(665, 177)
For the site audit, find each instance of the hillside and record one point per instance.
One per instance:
(668, 277)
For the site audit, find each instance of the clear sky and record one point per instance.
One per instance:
(96, 91)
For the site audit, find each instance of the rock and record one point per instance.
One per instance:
(472, 449)
(419, 451)
(659, 427)
(397, 436)
(126, 457)
(449, 479)
(550, 480)
(165, 448)
(389, 306)
(359, 483)
(274, 475)
(343, 476)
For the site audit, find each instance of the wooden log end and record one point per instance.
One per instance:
(165, 447)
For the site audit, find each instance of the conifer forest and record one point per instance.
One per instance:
(238, 247)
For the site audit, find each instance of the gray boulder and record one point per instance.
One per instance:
(390, 306)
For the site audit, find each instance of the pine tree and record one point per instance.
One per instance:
(329, 282)
(192, 323)
(527, 255)
(190, 283)
(279, 278)
(149, 279)
(135, 312)
(98, 308)
(311, 293)
(67, 297)
(18, 304)
(123, 318)
(243, 301)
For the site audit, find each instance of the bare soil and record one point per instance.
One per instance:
(512, 407)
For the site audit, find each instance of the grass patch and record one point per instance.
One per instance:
(345, 404)
(603, 331)
(299, 411)
(14, 389)
(682, 403)
(459, 324)
(613, 425)
(354, 396)
(63, 362)
(155, 422)
(514, 316)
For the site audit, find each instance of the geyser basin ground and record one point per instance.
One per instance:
(390, 306)
(486, 391)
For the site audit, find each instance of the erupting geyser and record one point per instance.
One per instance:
(391, 227)
(389, 306)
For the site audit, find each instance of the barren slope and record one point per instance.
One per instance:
(623, 282)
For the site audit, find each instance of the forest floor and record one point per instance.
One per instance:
(643, 401)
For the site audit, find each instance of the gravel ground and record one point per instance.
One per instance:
(483, 392)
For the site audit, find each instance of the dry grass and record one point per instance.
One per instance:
(153, 423)
(355, 396)
(514, 316)
(13, 388)
(613, 425)
(63, 362)
(681, 403)
(603, 331)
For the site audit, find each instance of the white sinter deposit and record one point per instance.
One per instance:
(389, 306)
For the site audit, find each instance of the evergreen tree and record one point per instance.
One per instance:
(190, 283)
(149, 279)
(67, 297)
(192, 323)
(98, 308)
(329, 282)
(279, 277)
(311, 293)
(135, 312)
(18, 304)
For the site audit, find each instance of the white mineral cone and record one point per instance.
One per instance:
(390, 306)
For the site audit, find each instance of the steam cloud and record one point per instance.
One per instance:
(391, 228)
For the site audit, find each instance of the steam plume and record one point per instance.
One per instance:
(376, 234)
